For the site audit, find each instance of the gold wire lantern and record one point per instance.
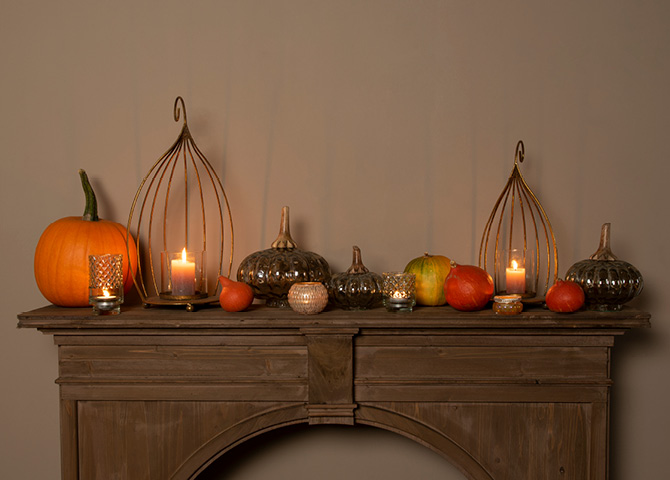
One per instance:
(171, 222)
(524, 250)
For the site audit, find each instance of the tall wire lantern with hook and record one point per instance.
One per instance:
(518, 246)
(179, 212)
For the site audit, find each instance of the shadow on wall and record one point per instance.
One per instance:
(330, 452)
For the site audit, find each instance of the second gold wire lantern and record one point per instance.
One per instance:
(179, 212)
(518, 246)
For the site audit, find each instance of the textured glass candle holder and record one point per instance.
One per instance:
(183, 275)
(105, 284)
(399, 290)
(308, 298)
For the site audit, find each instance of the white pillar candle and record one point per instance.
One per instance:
(183, 276)
(515, 279)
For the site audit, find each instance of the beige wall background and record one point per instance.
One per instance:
(386, 124)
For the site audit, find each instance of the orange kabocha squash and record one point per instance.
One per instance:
(61, 256)
(467, 287)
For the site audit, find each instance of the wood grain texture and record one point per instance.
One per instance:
(136, 317)
(482, 362)
(513, 440)
(153, 439)
(331, 377)
(155, 394)
(330, 367)
(69, 430)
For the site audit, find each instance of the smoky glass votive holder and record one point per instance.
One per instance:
(399, 291)
(105, 285)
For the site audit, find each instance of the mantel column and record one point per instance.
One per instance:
(330, 375)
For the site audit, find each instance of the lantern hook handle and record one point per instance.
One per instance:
(178, 109)
(518, 155)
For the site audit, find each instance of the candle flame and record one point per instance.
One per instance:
(183, 255)
(515, 265)
(105, 293)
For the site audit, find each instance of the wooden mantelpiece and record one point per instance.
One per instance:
(161, 393)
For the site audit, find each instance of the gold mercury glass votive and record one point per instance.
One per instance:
(105, 283)
(507, 304)
(399, 291)
(308, 298)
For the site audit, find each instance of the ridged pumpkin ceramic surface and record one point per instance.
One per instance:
(608, 282)
(272, 271)
(61, 256)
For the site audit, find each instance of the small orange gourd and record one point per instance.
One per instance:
(234, 296)
(61, 256)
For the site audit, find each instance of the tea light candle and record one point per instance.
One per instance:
(105, 287)
(399, 291)
(515, 278)
(183, 275)
(399, 300)
(106, 301)
(106, 296)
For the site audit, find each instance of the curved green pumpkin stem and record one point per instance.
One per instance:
(91, 210)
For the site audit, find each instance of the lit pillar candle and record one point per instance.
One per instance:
(515, 279)
(183, 276)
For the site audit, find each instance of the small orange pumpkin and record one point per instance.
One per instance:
(467, 287)
(61, 256)
(565, 296)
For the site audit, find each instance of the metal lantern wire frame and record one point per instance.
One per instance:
(183, 153)
(529, 208)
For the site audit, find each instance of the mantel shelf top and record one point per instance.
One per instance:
(134, 317)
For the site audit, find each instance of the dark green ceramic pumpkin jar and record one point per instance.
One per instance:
(357, 288)
(607, 282)
(272, 271)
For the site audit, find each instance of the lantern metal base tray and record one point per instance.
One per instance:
(526, 298)
(533, 301)
(191, 304)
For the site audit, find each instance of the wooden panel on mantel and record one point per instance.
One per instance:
(161, 393)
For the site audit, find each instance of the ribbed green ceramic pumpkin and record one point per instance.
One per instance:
(430, 271)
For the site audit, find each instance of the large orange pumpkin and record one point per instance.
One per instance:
(61, 256)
